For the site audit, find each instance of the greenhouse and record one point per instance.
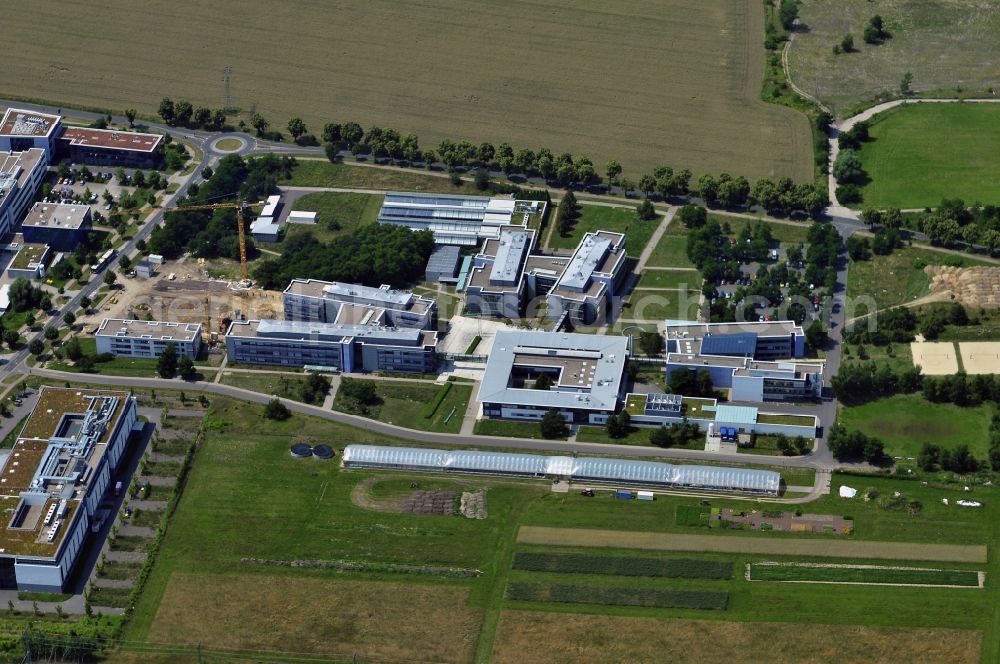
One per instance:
(588, 469)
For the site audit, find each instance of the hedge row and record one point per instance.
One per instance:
(431, 406)
(681, 568)
(663, 599)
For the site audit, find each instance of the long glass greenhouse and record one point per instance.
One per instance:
(588, 469)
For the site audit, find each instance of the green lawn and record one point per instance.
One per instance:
(902, 357)
(119, 366)
(671, 250)
(314, 173)
(669, 279)
(785, 233)
(337, 213)
(600, 218)
(652, 305)
(923, 153)
(508, 428)
(287, 387)
(897, 279)
(905, 422)
(402, 403)
(637, 436)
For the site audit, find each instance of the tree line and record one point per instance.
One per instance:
(183, 114)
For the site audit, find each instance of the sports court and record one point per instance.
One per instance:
(935, 358)
(980, 357)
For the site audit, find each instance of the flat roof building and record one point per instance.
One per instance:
(22, 130)
(507, 274)
(442, 266)
(338, 302)
(111, 147)
(147, 339)
(586, 373)
(53, 480)
(742, 357)
(21, 174)
(458, 220)
(337, 347)
(29, 259)
(61, 226)
(647, 474)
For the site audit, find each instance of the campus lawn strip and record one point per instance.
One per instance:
(337, 213)
(321, 173)
(406, 404)
(843, 574)
(600, 218)
(622, 565)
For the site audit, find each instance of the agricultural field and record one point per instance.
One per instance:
(906, 421)
(947, 45)
(923, 153)
(896, 279)
(336, 213)
(601, 218)
(248, 509)
(434, 72)
(572, 638)
(863, 574)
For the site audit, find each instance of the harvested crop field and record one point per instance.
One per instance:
(375, 620)
(585, 537)
(944, 43)
(641, 82)
(526, 637)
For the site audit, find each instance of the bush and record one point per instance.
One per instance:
(275, 410)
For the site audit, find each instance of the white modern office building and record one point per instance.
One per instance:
(352, 304)
(460, 220)
(147, 338)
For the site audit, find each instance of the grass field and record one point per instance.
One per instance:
(402, 403)
(923, 153)
(671, 250)
(317, 173)
(337, 213)
(119, 366)
(619, 220)
(559, 638)
(679, 279)
(428, 70)
(280, 385)
(894, 279)
(905, 422)
(653, 305)
(945, 44)
(863, 574)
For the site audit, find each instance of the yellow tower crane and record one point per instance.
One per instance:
(239, 205)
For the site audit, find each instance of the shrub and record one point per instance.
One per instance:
(431, 406)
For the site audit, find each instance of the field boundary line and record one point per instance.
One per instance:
(588, 537)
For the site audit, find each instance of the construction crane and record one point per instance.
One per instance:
(239, 205)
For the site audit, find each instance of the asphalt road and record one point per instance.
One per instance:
(563, 447)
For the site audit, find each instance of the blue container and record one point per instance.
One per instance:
(623, 495)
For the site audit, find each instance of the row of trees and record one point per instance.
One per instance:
(857, 383)
(959, 460)
(567, 214)
(183, 114)
(674, 435)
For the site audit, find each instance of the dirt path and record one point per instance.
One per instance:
(827, 547)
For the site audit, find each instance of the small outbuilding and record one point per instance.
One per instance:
(443, 263)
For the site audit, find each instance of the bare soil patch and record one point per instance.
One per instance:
(935, 358)
(526, 637)
(980, 357)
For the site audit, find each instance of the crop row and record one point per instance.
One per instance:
(681, 568)
(884, 575)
